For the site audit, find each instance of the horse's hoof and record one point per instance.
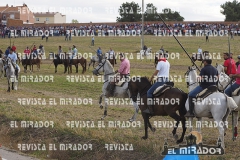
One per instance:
(101, 106)
(175, 136)
(153, 129)
(144, 137)
(225, 134)
(179, 141)
(131, 120)
(8, 90)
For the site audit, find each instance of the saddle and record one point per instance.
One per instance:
(160, 90)
(121, 82)
(206, 92)
(236, 92)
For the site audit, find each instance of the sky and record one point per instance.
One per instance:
(107, 10)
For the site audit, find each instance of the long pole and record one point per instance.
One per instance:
(142, 37)
(180, 44)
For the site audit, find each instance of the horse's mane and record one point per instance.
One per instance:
(145, 80)
(110, 65)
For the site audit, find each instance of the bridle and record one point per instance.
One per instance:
(100, 66)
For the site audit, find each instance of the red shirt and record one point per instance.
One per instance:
(27, 51)
(231, 67)
(14, 48)
(238, 72)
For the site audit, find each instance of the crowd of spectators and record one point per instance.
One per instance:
(148, 28)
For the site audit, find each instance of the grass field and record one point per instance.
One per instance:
(11, 110)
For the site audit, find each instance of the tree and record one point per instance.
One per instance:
(151, 13)
(74, 21)
(169, 15)
(129, 12)
(231, 10)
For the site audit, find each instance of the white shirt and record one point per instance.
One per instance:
(199, 50)
(163, 69)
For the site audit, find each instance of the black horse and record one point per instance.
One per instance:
(60, 59)
(141, 86)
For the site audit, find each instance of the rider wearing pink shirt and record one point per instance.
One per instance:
(124, 71)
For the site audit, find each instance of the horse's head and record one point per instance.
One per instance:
(138, 85)
(224, 81)
(101, 67)
(220, 68)
(191, 77)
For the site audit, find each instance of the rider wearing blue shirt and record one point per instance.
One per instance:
(13, 57)
(7, 51)
(99, 54)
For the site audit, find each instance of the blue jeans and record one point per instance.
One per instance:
(99, 58)
(194, 92)
(156, 85)
(230, 89)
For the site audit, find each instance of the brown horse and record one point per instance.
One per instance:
(75, 62)
(141, 86)
(31, 60)
(201, 57)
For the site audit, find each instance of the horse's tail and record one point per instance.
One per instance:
(85, 65)
(182, 110)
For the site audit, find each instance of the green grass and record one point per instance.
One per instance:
(61, 88)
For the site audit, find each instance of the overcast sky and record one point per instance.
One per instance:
(107, 10)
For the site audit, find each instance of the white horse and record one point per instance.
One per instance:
(11, 77)
(41, 53)
(223, 83)
(120, 92)
(95, 59)
(1, 68)
(219, 111)
(147, 54)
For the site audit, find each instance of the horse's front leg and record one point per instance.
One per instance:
(8, 85)
(199, 124)
(190, 123)
(12, 85)
(100, 101)
(76, 66)
(105, 108)
(235, 124)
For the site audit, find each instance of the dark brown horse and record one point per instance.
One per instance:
(75, 62)
(174, 95)
(201, 57)
(31, 60)
(61, 59)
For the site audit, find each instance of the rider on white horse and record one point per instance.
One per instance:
(99, 54)
(112, 55)
(124, 71)
(207, 78)
(74, 54)
(162, 72)
(13, 57)
(234, 86)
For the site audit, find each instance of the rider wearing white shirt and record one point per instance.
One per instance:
(162, 73)
(74, 53)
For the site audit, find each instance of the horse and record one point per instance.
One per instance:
(119, 92)
(147, 53)
(19, 57)
(200, 56)
(1, 67)
(10, 72)
(1, 53)
(61, 59)
(141, 86)
(219, 111)
(75, 62)
(223, 83)
(30, 60)
(41, 53)
(93, 60)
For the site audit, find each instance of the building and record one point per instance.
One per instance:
(18, 12)
(49, 17)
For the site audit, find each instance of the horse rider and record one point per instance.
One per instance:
(199, 53)
(14, 48)
(208, 77)
(124, 71)
(41, 48)
(60, 50)
(74, 54)
(229, 64)
(99, 54)
(144, 48)
(112, 55)
(162, 73)
(236, 85)
(27, 51)
(34, 51)
(13, 57)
